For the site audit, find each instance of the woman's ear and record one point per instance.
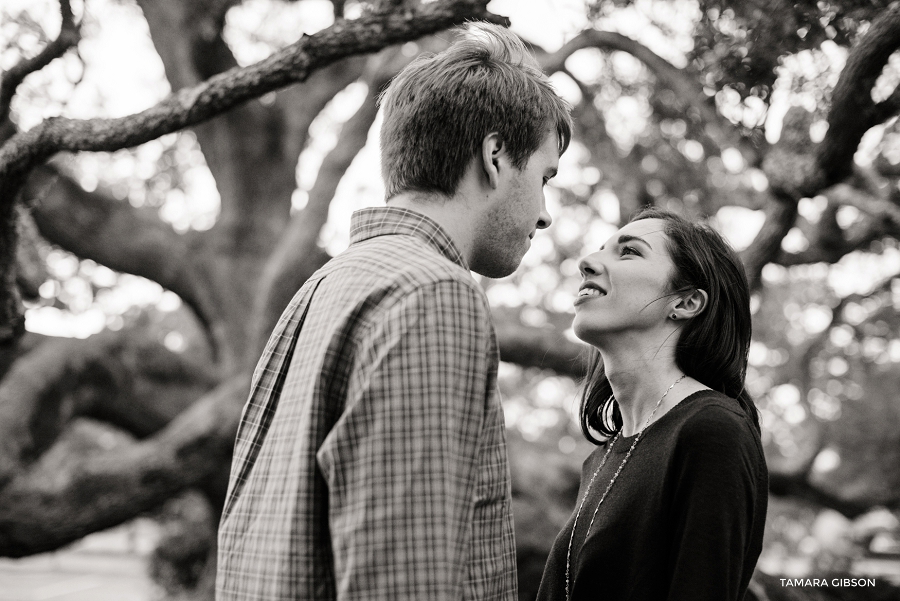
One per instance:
(690, 305)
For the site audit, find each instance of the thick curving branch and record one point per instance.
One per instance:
(252, 149)
(798, 487)
(33, 403)
(685, 84)
(73, 491)
(69, 36)
(876, 207)
(190, 106)
(12, 322)
(96, 226)
(828, 243)
(802, 482)
(793, 171)
(31, 270)
(853, 112)
(126, 378)
(297, 254)
(188, 38)
(780, 215)
(545, 348)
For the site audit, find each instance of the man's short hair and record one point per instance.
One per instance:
(439, 109)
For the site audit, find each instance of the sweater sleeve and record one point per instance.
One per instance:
(715, 480)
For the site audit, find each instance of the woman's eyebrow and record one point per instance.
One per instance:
(626, 238)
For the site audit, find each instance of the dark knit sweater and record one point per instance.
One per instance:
(683, 521)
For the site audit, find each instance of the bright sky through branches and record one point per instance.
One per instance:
(122, 74)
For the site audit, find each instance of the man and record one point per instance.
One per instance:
(371, 459)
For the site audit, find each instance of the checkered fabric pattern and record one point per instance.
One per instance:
(370, 461)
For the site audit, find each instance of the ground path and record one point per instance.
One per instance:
(106, 566)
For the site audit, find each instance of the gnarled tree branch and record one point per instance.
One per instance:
(31, 271)
(69, 35)
(803, 482)
(12, 323)
(545, 347)
(297, 254)
(252, 149)
(220, 93)
(682, 82)
(96, 226)
(853, 112)
(126, 378)
(72, 491)
(194, 105)
(828, 243)
(781, 213)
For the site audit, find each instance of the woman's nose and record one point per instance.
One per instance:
(589, 266)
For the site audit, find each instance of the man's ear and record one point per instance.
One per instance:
(492, 148)
(690, 305)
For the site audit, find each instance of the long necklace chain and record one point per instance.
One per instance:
(610, 485)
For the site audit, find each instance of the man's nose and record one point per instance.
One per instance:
(544, 220)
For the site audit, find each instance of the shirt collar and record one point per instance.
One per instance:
(386, 221)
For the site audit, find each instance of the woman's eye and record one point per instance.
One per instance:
(629, 250)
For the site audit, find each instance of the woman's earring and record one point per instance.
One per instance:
(674, 316)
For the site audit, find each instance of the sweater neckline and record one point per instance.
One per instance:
(624, 443)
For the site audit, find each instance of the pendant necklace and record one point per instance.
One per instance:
(608, 486)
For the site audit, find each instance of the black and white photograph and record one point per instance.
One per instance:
(449, 300)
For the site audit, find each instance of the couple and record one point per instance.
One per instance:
(371, 462)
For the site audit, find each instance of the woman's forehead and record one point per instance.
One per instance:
(651, 230)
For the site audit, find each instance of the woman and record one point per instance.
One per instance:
(673, 500)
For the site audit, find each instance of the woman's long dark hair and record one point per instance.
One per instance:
(713, 346)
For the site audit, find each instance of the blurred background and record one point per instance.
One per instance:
(153, 274)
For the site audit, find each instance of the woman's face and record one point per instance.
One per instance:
(626, 283)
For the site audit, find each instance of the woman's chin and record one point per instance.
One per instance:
(586, 332)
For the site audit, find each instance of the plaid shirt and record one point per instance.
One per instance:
(370, 460)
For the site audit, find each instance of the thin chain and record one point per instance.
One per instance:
(610, 485)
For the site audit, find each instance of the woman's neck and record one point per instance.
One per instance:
(638, 380)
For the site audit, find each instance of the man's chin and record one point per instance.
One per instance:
(497, 269)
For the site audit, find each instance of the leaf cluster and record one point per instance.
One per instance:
(739, 43)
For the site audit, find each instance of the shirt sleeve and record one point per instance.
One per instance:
(400, 463)
(716, 481)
